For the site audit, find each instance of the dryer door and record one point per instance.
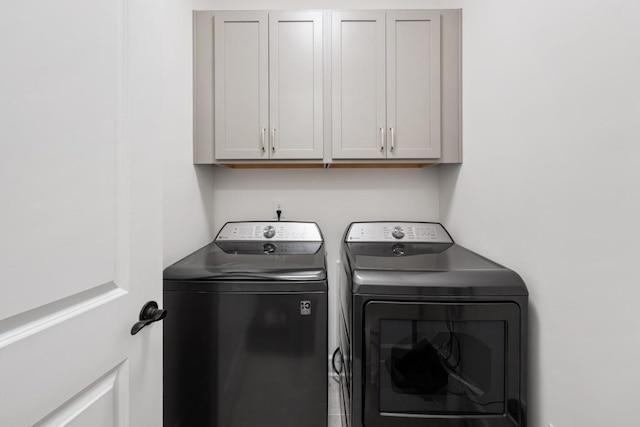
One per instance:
(440, 364)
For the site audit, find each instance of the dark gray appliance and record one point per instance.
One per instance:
(245, 344)
(431, 334)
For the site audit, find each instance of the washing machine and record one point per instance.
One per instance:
(245, 341)
(431, 334)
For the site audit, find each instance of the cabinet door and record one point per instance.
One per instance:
(358, 85)
(295, 85)
(241, 85)
(413, 84)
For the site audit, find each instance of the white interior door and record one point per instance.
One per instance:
(80, 222)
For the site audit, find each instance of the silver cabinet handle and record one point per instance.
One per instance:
(273, 140)
(381, 139)
(262, 134)
(393, 139)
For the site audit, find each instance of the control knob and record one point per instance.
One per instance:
(269, 231)
(397, 249)
(397, 232)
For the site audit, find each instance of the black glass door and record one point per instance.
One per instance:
(438, 361)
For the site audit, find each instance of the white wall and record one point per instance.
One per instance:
(550, 186)
(187, 188)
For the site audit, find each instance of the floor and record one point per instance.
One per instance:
(335, 412)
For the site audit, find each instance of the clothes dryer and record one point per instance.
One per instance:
(245, 343)
(432, 334)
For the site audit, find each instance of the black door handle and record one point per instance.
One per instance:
(150, 313)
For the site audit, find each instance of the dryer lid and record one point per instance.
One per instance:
(379, 263)
(453, 270)
(424, 257)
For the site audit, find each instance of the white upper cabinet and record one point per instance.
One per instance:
(341, 87)
(386, 85)
(268, 85)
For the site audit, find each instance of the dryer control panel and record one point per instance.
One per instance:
(415, 232)
(261, 231)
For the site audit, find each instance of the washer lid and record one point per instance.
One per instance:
(239, 254)
(214, 263)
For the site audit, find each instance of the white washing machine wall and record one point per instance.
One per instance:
(432, 334)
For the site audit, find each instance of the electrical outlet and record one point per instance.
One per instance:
(278, 206)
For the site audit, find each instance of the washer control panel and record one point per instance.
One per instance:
(270, 231)
(416, 232)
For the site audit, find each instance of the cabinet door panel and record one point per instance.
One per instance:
(413, 84)
(358, 78)
(295, 77)
(241, 84)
